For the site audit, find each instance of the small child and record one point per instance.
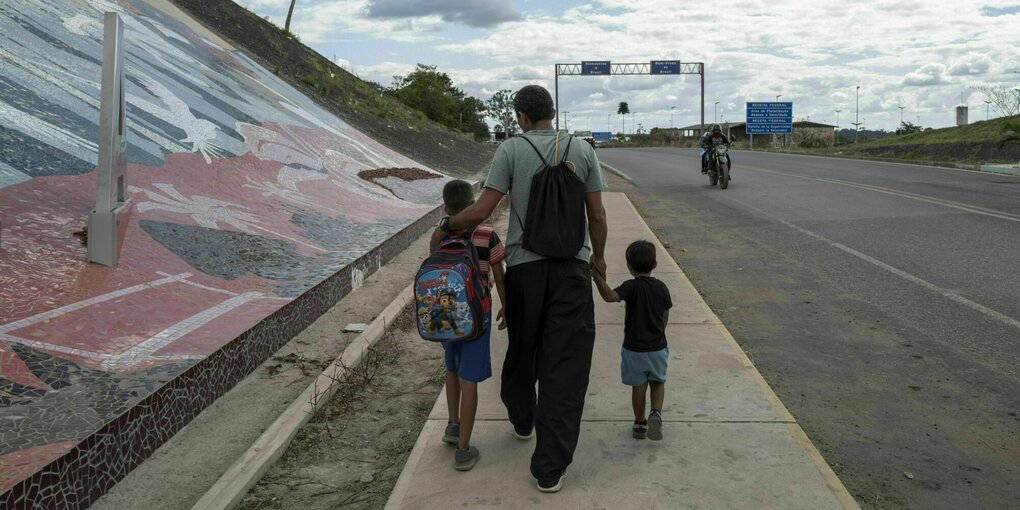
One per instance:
(645, 355)
(469, 363)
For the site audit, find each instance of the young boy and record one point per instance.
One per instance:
(468, 363)
(645, 356)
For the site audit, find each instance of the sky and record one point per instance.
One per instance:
(924, 55)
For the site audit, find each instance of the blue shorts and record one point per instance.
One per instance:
(470, 360)
(637, 368)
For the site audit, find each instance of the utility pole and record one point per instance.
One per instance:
(837, 124)
(901, 114)
(609, 126)
(715, 111)
(987, 104)
(671, 110)
(857, 113)
(565, 124)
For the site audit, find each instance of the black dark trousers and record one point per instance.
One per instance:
(551, 321)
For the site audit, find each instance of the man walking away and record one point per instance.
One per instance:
(549, 310)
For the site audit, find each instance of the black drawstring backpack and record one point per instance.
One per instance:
(555, 221)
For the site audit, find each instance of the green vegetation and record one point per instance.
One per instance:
(501, 108)
(432, 93)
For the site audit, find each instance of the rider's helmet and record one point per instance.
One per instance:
(716, 128)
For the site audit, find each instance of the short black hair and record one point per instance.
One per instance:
(457, 195)
(535, 102)
(641, 256)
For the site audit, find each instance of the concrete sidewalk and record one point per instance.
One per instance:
(729, 442)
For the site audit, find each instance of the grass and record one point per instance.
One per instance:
(983, 131)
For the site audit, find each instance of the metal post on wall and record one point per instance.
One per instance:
(108, 221)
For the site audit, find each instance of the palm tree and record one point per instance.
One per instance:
(623, 109)
(290, 12)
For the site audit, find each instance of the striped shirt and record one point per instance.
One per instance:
(490, 250)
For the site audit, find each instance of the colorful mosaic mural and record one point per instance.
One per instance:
(252, 210)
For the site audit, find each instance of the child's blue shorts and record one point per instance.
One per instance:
(637, 368)
(470, 360)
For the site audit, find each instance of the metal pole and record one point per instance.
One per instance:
(901, 114)
(556, 86)
(987, 103)
(715, 111)
(857, 113)
(702, 131)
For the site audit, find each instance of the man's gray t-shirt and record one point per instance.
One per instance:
(516, 163)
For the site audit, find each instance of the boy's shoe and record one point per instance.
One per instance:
(524, 435)
(549, 486)
(452, 434)
(640, 430)
(655, 426)
(464, 460)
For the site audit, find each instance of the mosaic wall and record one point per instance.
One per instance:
(253, 210)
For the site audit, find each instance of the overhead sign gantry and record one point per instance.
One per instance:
(607, 68)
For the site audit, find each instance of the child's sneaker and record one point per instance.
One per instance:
(464, 460)
(655, 425)
(452, 434)
(640, 430)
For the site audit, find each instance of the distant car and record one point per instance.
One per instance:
(586, 136)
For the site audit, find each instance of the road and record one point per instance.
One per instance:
(881, 301)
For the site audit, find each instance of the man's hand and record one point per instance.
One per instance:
(501, 320)
(437, 236)
(598, 265)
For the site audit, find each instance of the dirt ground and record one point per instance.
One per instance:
(352, 452)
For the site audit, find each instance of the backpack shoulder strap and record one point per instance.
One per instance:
(569, 139)
(540, 156)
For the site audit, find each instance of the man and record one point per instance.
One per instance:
(549, 308)
(710, 139)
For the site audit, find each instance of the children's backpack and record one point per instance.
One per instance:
(555, 222)
(449, 294)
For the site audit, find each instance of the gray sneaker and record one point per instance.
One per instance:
(655, 426)
(452, 434)
(464, 460)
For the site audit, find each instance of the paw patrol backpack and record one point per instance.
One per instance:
(449, 294)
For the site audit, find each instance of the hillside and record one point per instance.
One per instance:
(360, 103)
(977, 142)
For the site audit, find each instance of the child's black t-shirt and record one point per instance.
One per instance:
(646, 299)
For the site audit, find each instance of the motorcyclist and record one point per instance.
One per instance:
(710, 139)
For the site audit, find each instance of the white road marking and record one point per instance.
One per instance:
(952, 296)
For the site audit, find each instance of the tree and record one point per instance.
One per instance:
(290, 12)
(623, 110)
(501, 108)
(432, 93)
(1004, 100)
(907, 128)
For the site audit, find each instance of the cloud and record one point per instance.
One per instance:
(474, 13)
(978, 64)
(928, 74)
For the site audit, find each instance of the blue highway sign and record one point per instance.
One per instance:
(769, 118)
(665, 67)
(602, 136)
(595, 67)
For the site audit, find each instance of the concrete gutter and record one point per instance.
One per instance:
(228, 491)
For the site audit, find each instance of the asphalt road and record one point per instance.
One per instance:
(881, 301)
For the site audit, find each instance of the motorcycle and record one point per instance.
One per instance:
(719, 166)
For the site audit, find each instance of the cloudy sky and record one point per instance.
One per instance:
(920, 54)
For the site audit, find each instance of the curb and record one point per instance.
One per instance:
(617, 172)
(832, 481)
(228, 491)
